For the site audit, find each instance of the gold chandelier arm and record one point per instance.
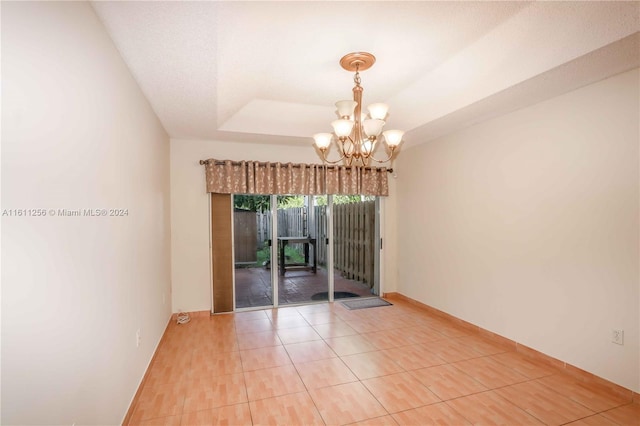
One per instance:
(326, 160)
(393, 151)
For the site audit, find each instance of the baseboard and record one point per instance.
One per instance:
(555, 363)
(134, 401)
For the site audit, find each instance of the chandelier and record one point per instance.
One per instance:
(357, 134)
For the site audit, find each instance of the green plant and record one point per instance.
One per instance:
(263, 255)
(262, 203)
(292, 255)
(321, 200)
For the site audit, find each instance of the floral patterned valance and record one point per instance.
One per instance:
(252, 177)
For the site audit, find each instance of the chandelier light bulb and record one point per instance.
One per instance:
(323, 140)
(378, 111)
(372, 127)
(342, 127)
(346, 108)
(393, 137)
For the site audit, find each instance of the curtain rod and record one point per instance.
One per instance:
(237, 163)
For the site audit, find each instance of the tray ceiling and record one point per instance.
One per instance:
(268, 71)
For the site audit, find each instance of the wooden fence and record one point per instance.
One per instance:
(354, 240)
(292, 222)
(244, 236)
(353, 235)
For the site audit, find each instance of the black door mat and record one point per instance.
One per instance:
(336, 295)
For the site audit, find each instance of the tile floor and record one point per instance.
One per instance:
(323, 364)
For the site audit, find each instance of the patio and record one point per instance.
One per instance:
(253, 287)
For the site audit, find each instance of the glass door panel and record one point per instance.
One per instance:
(302, 276)
(251, 249)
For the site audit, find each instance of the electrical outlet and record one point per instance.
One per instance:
(138, 338)
(617, 337)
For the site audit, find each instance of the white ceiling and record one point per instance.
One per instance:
(268, 71)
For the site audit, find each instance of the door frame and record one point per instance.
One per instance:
(379, 252)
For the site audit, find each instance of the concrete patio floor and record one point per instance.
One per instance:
(253, 286)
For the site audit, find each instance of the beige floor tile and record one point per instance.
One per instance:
(334, 329)
(597, 420)
(378, 421)
(347, 403)
(448, 382)
(371, 364)
(249, 315)
(216, 343)
(159, 401)
(270, 382)
(263, 339)
(451, 350)
(490, 372)
(326, 372)
(483, 346)
(364, 326)
(594, 398)
(424, 334)
(256, 359)
(292, 409)
(399, 392)
(275, 313)
(435, 414)
(168, 371)
(346, 315)
(207, 363)
(298, 334)
(488, 408)
(253, 326)
(280, 323)
(315, 308)
(321, 318)
(349, 345)
(413, 357)
(450, 330)
(523, 365)
(238, 414)
(204, 372)
(160, 421)
(391, 322)
(309, 351)
(170, 354)
(624, 415)
(213, 392)
(221, 320)
(388, 339)
(546, 405)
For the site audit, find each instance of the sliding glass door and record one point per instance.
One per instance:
(252, 251)
(301, 244)
(316, 248)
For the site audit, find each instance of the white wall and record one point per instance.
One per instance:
(190, 214)
(527, 225)
(77, 133)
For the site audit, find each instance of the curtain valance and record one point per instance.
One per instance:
(252, 177)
